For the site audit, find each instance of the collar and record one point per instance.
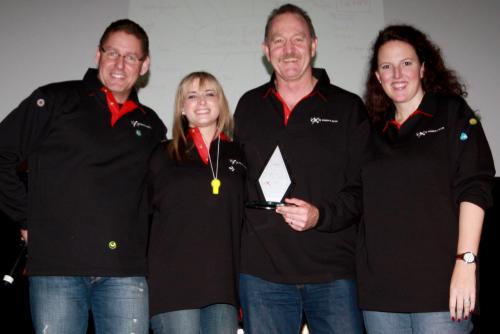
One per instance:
(95, 87)
(320, 89)
(195, 135)
(424, 109)
(117, 110)
(397, 125)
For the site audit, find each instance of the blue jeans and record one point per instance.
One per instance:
(61, 304)
(271, 308)
(212, 319)
(414, 323)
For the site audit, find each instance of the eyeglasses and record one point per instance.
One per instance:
(112, 54)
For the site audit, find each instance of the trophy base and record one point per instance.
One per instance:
(263, 205)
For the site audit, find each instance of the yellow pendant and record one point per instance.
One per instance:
(215, 186)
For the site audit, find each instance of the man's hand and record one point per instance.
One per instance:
(298, 214)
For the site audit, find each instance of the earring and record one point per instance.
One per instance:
(183, 113)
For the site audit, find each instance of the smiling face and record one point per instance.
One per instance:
(400, 72)
(116, 71)
(289, 47)
(201, 105)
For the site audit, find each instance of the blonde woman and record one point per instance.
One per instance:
(197, 184)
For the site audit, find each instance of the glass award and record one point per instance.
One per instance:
(273, 184)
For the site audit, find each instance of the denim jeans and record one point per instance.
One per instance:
(271, 308)
(61, 304)
(414, 323)
(212, 319)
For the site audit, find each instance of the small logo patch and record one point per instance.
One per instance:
(425, 132)
(137, 124)
(233, 163)
(317, 120)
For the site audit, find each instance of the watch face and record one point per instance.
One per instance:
(469, 257)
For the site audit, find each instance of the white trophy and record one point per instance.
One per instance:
(274, 183)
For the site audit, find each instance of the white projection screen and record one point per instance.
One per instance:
(225, 37)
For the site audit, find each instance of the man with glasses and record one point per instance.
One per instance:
(87, 144)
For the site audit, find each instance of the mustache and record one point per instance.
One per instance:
(291, 55)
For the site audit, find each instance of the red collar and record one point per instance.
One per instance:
(286, 110)
(199, 143)
(398, 125)
(114, 107)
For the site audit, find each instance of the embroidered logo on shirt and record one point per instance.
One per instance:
(137, 124)
(233, 163)
(425, 132)
(317, 120)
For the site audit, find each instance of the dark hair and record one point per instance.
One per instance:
(437, 77)
(289, 9)
(130, 27)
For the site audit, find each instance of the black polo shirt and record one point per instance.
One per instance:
(85, 209)
(321, 143)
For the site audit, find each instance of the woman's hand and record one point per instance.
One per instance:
(462, 290)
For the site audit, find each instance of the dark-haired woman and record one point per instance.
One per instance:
(424, 185)
(198, 199)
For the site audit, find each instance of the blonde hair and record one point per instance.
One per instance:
(179, 147)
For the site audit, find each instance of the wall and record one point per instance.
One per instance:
(51, 40)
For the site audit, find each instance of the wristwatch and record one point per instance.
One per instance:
(467, 257)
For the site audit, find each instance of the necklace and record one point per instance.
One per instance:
(215, 181)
